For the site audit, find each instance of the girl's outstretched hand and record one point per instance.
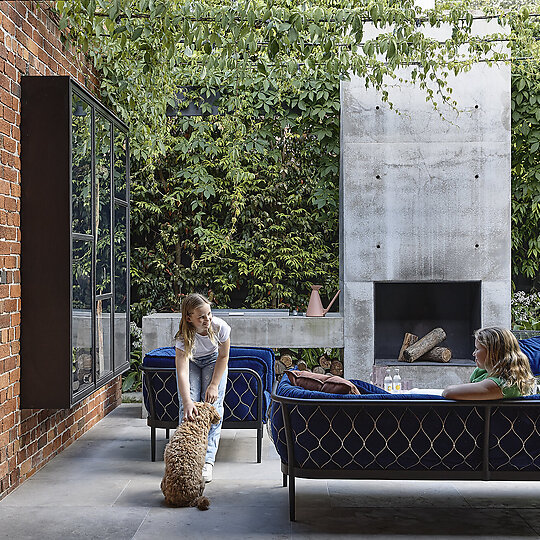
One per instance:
(190, 411)
(211, 394)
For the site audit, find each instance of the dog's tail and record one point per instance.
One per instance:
(202, 503)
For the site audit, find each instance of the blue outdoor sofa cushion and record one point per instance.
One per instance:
(531, 347)
(241, 394)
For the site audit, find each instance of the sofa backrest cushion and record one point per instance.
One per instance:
(266, 357)
(160, 357)
(531, 347)
(366, 391)
(165, 357)
(329, 384)
(240, 398)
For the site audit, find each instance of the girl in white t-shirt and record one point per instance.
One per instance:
(202, 355)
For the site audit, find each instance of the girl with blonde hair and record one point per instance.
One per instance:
(502, 371)
(202, 356)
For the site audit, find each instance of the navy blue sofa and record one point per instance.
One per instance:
(406, 436)
(247, 397)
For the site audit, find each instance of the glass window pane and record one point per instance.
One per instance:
(103, 337)
(103, 205)
(81, 169)
(120, 163)
(81, 327)
(120, 286)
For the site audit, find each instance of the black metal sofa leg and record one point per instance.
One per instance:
(153, 442)
(292, 499)
(259, 443)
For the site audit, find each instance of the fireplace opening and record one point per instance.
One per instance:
(418, 308)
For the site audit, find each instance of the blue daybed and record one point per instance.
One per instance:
(249, 383)
(376, 435)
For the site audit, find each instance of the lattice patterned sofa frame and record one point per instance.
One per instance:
(416, 437)
(247, 396)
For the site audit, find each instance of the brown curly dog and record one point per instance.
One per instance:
(182, 483)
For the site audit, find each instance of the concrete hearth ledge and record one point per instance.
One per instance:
(266, 329)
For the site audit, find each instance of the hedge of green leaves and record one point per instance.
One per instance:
(526, 170)
(245, 206)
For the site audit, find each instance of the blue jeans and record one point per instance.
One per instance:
(200, 374)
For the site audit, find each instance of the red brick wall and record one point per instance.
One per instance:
(30, 44)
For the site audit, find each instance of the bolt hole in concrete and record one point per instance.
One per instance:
(477, 176)
(476, 106)
(378, 176)
(476, 245)
(378, 246)
(377, 107)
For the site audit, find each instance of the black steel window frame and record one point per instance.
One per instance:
(118, 367)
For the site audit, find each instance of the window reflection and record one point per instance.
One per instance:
(81, 327)
(103, 337)
(81, 169)
(103, 204)
(120, 285)
(120, 166)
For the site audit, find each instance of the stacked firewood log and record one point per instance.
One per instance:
(425, 349)
(325, 365)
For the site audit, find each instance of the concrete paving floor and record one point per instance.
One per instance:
(104, 486)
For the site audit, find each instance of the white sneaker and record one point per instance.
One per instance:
(207, 472)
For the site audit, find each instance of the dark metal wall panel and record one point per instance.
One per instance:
(45, 229)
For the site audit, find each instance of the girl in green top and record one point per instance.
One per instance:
(502, 371)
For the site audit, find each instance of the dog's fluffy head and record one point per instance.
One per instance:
(207, 412)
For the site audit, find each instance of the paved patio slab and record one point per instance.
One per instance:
(104, 487)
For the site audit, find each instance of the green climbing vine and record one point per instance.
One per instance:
(243, 204)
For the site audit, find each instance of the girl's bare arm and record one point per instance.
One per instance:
(182, 372)
(486, 389)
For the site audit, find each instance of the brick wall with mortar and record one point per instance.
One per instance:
(30, 44)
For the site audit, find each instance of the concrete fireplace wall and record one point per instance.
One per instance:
(424, 199)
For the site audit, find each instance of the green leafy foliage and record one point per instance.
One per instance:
(525, 171)
(243, 205)
(132, 380)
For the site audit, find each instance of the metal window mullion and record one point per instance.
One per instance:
(94, 238)
(111, 240)
(128, 248)
(81, 236)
